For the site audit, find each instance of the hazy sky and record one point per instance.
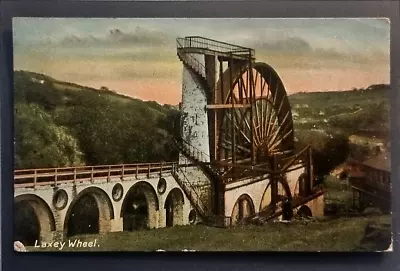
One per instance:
(139, 59)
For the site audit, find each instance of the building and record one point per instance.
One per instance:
(372, 184)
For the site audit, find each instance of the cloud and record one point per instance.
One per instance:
(298, 52)
(138, 56)
(116, 37)
(287, 45)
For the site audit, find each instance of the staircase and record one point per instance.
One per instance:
(192, 63)
(191, 193)
(197, 157)
(202, 208)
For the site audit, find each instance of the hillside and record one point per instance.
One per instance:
(62, 124)
(356, 111)
(336, 118)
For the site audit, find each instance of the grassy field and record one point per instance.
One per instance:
(341, 234)
(341, 112)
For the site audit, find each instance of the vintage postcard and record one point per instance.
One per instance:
(201, 134)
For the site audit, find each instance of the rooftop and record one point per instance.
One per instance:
(380, 162)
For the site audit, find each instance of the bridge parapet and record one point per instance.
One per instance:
(33, 178)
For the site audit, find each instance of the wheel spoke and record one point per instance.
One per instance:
(281, 139)
(269, 117)
(280, 106)
(244, 88)
(238, 128)
(262, 118)
(273, 138)
(256, 122)
(255, 80)
(257, 139)
(242, 148)
(266, 111)
(243, 116)
(269, 126)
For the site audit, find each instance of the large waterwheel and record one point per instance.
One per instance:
(258, 126)
(237, 125)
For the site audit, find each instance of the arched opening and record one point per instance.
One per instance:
(90, 213)
(243, 208)
(174, 208)
(266, 198)
(140, 207)
(283, 194)
(33, 220)
(304, 211)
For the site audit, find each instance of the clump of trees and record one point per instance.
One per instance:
(333, 153)
(327, 151)
(40, 142)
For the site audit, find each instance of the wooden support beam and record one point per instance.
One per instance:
(227, 106)
(232, 112)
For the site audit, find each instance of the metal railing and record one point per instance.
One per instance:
(369, 185)
(213, 45)
(31, 178)
(194, 152)
(190, 191)
(191, 61)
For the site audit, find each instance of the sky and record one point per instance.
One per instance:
(137, 57)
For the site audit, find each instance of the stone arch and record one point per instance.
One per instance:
(283, 190)
(243, 208)
(93, 217)
(304, 211)
(266, 198)
(43, 224)
(174, 207)
(140, 207)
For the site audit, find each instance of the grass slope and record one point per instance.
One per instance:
(345, 111)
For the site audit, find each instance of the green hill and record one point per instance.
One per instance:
(345, 111)
(355, 112)
(327, 121)
(62, 124)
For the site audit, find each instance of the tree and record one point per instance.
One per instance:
(334, 152)
(39, 142)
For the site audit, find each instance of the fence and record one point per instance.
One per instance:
(55, 176)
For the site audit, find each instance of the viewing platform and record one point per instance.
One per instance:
(201, 45)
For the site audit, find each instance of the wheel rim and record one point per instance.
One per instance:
(272, 126)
